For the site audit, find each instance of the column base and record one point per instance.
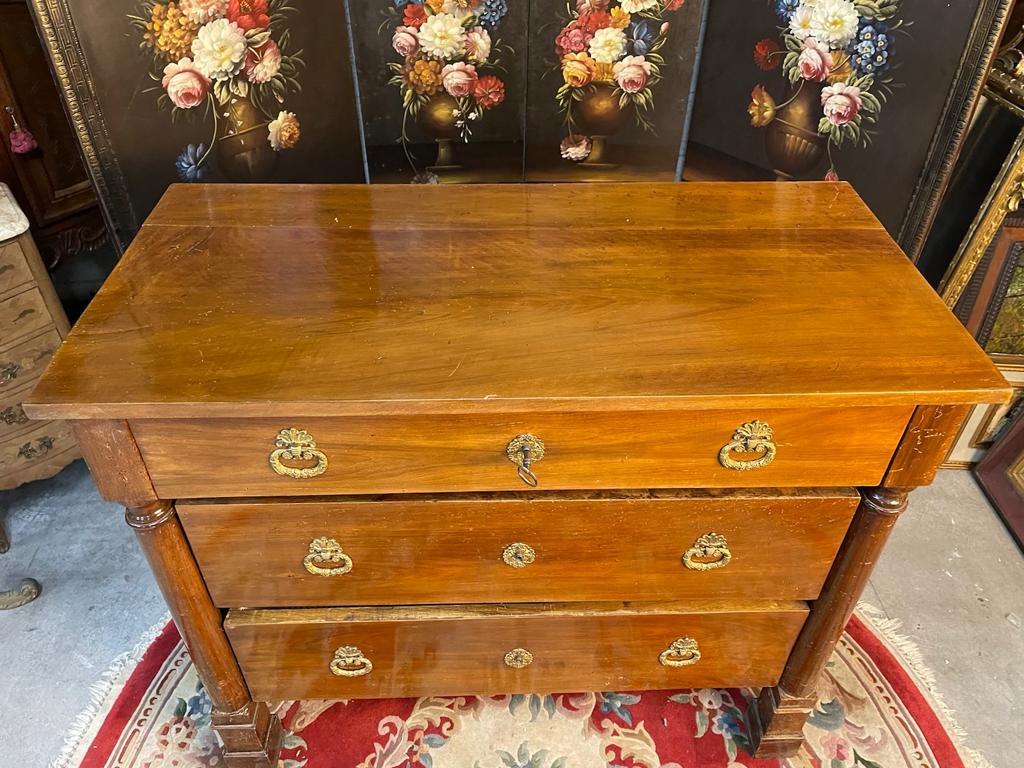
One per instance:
(777, 723)
(252, 736)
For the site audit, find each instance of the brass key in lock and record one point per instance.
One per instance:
(524, 451)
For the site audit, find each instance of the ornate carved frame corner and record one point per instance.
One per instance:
(1005, 86)
(957, 112)
(70, 69)
(1003, 198)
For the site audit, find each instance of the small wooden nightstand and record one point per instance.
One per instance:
(398, 441)
(32, 326)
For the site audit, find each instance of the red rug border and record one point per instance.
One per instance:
(932, 728)
(923, 712)
(128, 699)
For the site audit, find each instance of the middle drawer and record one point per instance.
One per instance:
(500, 548)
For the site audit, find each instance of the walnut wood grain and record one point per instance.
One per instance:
(925, 445)
(449, 550)
(113, 458)
(460, 649)
(393, 454)
(348, 300)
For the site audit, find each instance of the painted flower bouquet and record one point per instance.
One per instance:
(450, 54)
(609, 60)
(231, 60)
(837, 57)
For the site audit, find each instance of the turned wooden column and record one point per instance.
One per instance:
(251, 734)
(781, 711)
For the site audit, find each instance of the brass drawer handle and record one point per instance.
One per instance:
(297, 445)
(712, 550)
(14, 414)
(518, 555)
(349, 661)
(518, 658)
(752, 437)
(524, 451)
(683, 652)
(324, 550)
(42, 447)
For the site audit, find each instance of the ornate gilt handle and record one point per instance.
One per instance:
(683, 652)
(708, 552)
(524, 451)
(753, 437)
(297, 445)
(323, 551)
(349, 661)
(518, 658)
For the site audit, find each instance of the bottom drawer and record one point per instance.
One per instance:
(341, 653)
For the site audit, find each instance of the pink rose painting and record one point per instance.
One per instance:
(631, 73)
(841, 103)
(459, 79)
(815, 61)
(227, 64)
(836, 56)
(449, 72)
(610, 57)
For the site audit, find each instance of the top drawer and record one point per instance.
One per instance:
(470, 452)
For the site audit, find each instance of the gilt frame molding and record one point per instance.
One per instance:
(71, 72)
(957, 112)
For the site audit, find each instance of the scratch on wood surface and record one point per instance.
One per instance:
(456, 368)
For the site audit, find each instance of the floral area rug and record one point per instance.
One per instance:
(877, 709)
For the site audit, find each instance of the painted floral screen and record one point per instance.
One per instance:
(506, 90)
(865, 91)
(385, 90)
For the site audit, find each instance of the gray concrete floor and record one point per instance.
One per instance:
(951, 573)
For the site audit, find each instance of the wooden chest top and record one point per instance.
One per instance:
(346, 300)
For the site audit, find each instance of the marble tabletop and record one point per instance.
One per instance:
(12, 218)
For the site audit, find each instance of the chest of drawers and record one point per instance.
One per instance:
(384, 441)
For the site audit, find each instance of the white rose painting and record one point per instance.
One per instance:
(837, 59)
(227, 64)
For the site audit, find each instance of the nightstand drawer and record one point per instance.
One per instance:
(491, 548)
(44, 442)
(23, 362)
(346, 653)
(14, 269)
(23, 314)
(408, 454)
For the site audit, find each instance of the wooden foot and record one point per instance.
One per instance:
(251, 736)
(26, 592)
(777, 719)
(781, 711)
